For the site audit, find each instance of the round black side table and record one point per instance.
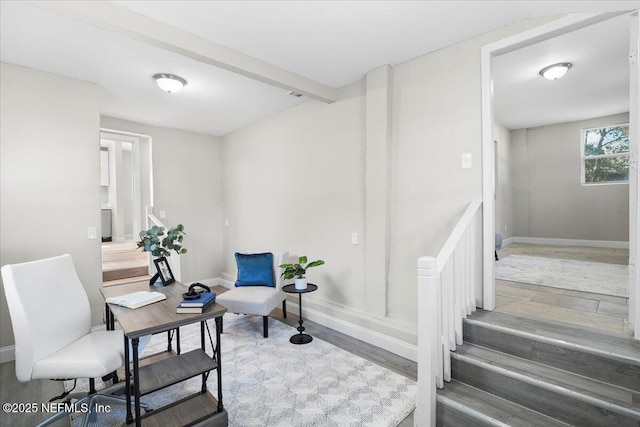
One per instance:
(291, 289)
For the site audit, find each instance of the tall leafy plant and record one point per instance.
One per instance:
(155, 240)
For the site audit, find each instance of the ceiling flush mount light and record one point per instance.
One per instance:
(555, 71)
(169, 82)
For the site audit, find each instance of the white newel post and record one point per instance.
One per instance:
(446, 295)
(428, 342)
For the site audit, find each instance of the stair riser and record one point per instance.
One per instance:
(447, 416)
(124, 273)
(549, 402)
(619, 372)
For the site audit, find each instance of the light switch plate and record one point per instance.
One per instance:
(466, 160)
(92, 233)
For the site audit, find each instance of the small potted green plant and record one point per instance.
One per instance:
(298, 271)
(160, 245)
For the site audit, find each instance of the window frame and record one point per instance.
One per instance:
(584, 158)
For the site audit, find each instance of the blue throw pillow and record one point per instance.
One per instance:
(255, 269)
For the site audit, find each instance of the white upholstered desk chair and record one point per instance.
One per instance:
(258, 300)
(51, 320)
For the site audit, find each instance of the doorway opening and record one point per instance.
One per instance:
(124, 192)
(529, 222)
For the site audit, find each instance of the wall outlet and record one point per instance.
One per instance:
(354, 238)
(226, 222)
(505, 228)
(92, 233)
(162, 214)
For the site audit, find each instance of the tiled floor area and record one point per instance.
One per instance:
(602, 312)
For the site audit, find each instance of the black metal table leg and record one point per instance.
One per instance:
(300, 338)
(136, 379)
(218, 353)
(127, 375)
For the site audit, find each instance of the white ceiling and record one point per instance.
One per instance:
(596, 85)
(328, 42)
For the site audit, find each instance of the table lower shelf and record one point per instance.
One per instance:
(200, 409)
(172, 370)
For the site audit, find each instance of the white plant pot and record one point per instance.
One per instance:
(301, 284)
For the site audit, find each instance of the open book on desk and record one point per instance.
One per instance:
(136, 299)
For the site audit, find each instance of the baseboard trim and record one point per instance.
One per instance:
(508, 241)
(206, 282)
(7, 353)
(394, 345)
(570, 242)
(226, 283)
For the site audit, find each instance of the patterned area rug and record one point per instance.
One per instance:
(271, 382)
(595, 277)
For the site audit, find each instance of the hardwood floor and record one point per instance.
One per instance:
(606, 313)
(603, 312)
(41, 391)
(37, 391)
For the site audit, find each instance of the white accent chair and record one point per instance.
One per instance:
(51, 319)
(258, 300)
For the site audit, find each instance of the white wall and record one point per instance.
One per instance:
(186, 185)
(296, 181)
(50, 176)
(293, 182)
(550, 200)
(436, 118)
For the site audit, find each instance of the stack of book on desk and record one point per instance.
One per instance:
(197, 305)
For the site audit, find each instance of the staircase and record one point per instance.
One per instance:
(517, 371)
(124, 264)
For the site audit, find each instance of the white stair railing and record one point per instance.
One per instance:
(446, 295)
(174, 261)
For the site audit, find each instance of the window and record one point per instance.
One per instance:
(605, 155)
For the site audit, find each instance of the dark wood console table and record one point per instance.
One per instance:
(199, 408)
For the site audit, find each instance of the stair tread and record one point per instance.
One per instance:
(494, 407)
(612, 344)
(576, 383)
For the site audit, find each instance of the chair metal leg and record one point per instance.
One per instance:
(265, 326)
(53, 419)
(102, 398)
(103, 395)
(284, 308)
